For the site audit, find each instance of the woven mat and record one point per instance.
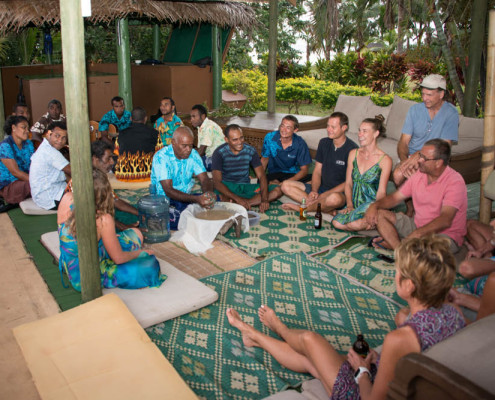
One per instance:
(360, 262)
(209, 354)
(281, 231)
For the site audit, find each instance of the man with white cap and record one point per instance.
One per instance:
(431, 119)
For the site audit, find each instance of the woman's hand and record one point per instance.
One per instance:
(357, 361)
(346, 210)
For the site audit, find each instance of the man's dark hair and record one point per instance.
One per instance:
(99, 147)
(57, 124)
(56, 102)
(138, 114)
(16, 105)
(201, 109)
(116, 99)
(344, 119)
(231, 127)
(442, 149)
(293, 119)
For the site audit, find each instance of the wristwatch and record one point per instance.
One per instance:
(359, 373)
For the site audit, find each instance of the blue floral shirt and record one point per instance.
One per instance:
(110, 117)
(22, 156)
(167, 129)
(167, 166)
(288, 160)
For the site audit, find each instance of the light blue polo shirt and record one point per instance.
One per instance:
(418, 124)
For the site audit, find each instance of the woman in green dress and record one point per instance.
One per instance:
(368, 171)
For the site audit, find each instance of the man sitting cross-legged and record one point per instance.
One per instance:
(230, 167)
(439, 198)
(285, 155)
(172, 174)
(328, 180)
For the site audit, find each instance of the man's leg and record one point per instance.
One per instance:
(478, 233)
(295, 190)
(330, 201)
(16, 192)
(386, 227)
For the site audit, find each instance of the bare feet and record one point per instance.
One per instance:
(290, 207)
(270, 319)
(247, 331)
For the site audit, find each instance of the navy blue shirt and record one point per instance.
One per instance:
(288, 160)
(334, 162)
(235, 167)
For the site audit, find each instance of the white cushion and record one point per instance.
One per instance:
(355, 108)
(313, 137)
(29, 207)
(373, 110)
(178, 295)
(397, 116)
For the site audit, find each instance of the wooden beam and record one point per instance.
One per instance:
(272, 55)
(156, 41)
(216, 56)
(76, 103)
(124, 62)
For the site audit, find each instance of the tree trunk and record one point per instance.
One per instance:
(478, 20)
(400, 26)
(449, 60)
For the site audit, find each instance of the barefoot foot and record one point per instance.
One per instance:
(290, 207)
(247, 331)
(270, 319)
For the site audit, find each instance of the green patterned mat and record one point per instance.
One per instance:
(281, 231)
(360, 262)
(208, 353)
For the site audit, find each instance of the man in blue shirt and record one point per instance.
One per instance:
(230, 168)
(172, 173)
(285, 155)
(433, 118)
(117, 116)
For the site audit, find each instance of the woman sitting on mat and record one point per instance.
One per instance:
(368, 171)
(425, 271)
(123, 262)
(15, 155)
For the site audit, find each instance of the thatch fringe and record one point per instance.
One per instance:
(17, 14)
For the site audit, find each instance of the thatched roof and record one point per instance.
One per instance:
(17, 14)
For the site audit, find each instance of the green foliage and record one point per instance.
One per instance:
(295, 91)
(238, 55)
(387, 72)
(252, 83)
(328, 93)
(225, 111)
(387, 99)
(345, 68)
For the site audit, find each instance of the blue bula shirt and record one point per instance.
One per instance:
(288, 160)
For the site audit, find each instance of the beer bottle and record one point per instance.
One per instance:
(302, 210)
(318, 217)
(360, 346)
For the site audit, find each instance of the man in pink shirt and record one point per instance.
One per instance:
(439, 197)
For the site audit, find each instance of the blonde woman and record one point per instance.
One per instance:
(425, 271)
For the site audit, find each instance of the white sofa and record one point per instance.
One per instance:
(466, 154)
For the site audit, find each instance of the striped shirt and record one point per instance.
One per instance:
(235, 167)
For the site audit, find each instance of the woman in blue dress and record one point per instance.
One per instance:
(123, 261)
(368, 171)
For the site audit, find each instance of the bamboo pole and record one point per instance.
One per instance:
(487, 156)
(124, 62)
(272, 55)
(216, 55)
(76, 103)
(156, 42)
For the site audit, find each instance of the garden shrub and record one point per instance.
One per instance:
(387, 72)
(295, 91)
(387, 99)
(346, 69)
(251, 83)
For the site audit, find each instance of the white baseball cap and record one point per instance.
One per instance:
(434, 81)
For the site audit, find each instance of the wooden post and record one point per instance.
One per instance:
(156, 42)
(216, 56)
(2, 108)
(76, 103)
(124, 62)
(272, 55)
(487, 156)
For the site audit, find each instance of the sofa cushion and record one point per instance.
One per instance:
(373, 110)
(354, 107)
(470, 135)
(397, 116)
(470, 352)
(313, 137)
(389, 146)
